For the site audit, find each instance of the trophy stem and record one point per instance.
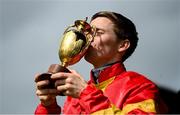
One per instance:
(64, 64)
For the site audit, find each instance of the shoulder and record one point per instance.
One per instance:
(134, 78)
(135, 84)
(131, 87)
(133, 81)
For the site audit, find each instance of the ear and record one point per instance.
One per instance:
(124, 45)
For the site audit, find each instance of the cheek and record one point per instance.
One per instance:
(96, 44)
(104, 44)
(104, 50)
(108, 45)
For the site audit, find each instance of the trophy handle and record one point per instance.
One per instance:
(53, 68)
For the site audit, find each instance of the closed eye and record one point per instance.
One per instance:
(99, 32)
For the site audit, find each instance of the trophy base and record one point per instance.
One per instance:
(54, 68)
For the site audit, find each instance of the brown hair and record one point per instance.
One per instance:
(123, 28)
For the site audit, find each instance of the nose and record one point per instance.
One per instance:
(92, 43)
(93, 39)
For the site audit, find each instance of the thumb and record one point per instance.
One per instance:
(74, 71)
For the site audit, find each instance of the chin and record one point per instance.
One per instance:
(88, 58)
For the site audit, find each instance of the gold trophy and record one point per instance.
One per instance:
(75, 42)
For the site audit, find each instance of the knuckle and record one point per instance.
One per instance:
(59, 88)
(68, 86)
(37, 86)
(67, 92)
(45, 82)
(42, 83)
(36, 77)
(59, 82)
(43, 98)
(69, 80)
(38, 93)
(46, 97)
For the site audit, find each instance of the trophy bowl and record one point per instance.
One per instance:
(75, 42)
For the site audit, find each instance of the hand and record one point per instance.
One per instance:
(46, 95)
(71, 84)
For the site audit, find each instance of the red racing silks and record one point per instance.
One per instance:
(111, 101)
(90, 97)
(118, 92)
(52, 109)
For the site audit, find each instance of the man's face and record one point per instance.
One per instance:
(104, 48)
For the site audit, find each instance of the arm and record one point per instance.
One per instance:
(51, 109)
(46, 95)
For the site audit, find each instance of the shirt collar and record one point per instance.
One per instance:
(107, 71)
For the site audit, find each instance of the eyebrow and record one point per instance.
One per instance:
(97, 29)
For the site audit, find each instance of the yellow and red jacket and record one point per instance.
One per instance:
(118, 92)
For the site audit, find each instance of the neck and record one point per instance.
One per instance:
(106, 64)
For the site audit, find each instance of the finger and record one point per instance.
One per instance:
(67, 93)
(36, 76)
(44, 98)
(42, 84)
(46, 92)
(74, 72)
(62, 88)
(70, 93)
(70, 80)
(60, 82)
(60, 75)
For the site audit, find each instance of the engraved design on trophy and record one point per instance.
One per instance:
(73, 46)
